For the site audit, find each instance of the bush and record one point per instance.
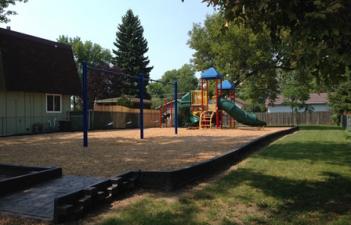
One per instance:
(336, 118)
(124, 101)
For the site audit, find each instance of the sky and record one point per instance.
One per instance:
(166, 24)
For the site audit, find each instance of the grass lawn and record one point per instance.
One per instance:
(304, 178)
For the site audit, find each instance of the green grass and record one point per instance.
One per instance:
(304, 178)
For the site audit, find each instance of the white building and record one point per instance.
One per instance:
(316, 103)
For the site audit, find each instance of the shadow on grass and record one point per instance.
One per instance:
(296, 198)
(332, 195)
(332, 153)
(319, 127)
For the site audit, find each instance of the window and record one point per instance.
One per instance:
(53, 103)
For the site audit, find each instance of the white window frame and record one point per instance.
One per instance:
(46, 103)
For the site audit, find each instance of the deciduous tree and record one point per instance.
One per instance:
(316, 32)
(244, 57)
(340, 98)
(4, 12)
(186, 82)
(100, 84)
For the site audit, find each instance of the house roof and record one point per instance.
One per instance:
(33, 64)
(315, 98)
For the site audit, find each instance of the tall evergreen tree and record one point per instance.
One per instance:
(131, 47)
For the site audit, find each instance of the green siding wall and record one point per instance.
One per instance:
(19, 111)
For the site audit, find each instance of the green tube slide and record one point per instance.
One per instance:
(239, 115)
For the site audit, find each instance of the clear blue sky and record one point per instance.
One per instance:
(166, 24)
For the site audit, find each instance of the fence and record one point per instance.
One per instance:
(298, 118)
(115, 117)
(346, 121)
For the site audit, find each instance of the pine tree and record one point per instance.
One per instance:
(131, 47)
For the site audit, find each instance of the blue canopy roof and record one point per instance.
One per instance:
(227, 85)
(211, 74)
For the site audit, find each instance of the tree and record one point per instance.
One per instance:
(87, 51)
(316, 33)
(295, 94)
(4, 14)
(131, 47)
(185, 77)
(156, 90)
(340, 98)
(246, 58)
(164, 88)
(101, 84)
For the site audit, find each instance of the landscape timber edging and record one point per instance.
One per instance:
(172, 180)
(34, 175)
(75, 204)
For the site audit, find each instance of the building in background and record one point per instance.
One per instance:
(315, 103)
(37, 79)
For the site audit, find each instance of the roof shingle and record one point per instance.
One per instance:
(37, 65)
(315, 98)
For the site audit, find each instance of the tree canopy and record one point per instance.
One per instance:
(295, 94)
(87, 51)
(185, 77)
(4, 13)
(316, 33)
(246, 58)
(340, 98)
(101, 84)
(164, 88)
(131, 47)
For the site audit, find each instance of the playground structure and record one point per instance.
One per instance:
(198, 110)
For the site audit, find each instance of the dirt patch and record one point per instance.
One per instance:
(114, 152)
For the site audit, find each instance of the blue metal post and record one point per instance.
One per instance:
(85, 104)
(175, 107)
(141, 104)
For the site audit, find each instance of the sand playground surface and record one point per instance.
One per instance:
(117, 151)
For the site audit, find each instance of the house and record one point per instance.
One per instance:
(316, 103)
(37, 79)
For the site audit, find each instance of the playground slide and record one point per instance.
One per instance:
(238, 114)
(186, 103)
(194, 120)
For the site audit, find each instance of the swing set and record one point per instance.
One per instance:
(141, 83)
